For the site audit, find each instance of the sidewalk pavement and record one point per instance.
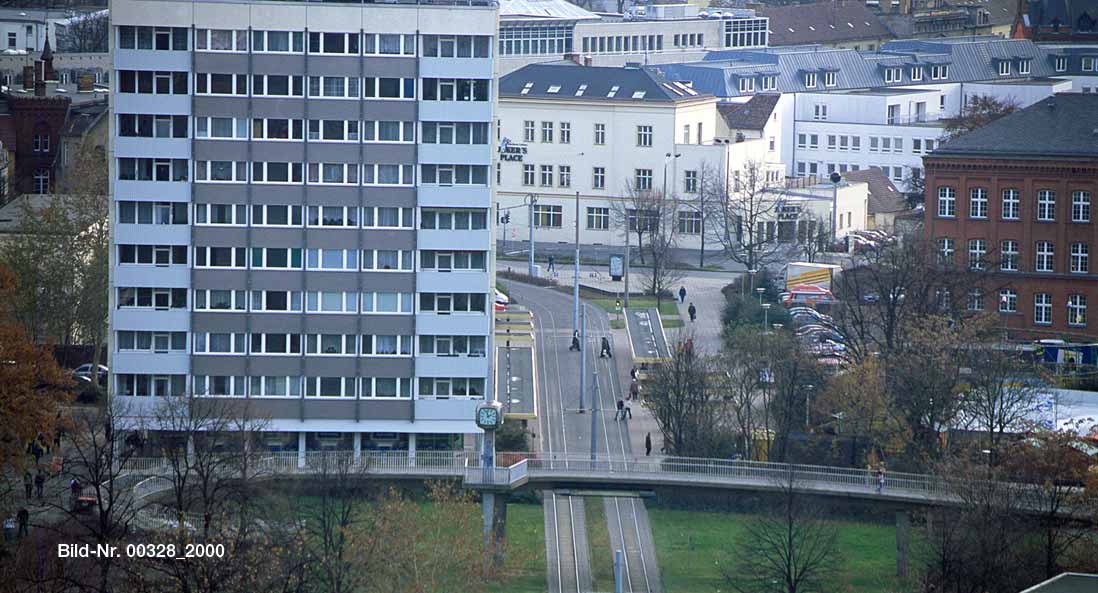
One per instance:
(643, 422)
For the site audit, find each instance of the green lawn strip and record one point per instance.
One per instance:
(673, 322)
(525, 551)
(598, 541)
(694, 546)
(668, 308)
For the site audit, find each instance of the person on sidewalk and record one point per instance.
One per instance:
(693, 311)
(552, 264)
(633, 373)
(634, 389)
(620, 413)
(605, 351)
(880, 479)
(628, 410)
(575, 342)
(682, 294)
(23, 517)
(648, 444)
(27, 483)
(39, 482)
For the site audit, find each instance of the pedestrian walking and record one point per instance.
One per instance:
(9, 529)
(620, 413)
(23, 517)
(552, 264)
(39, 482)
(605, 351)
(27, 483)
(634, 389)
(575, 341)
(647, 444)
(682, 294)
(880, 479)
(693, 311)
(628, 410)
(74, 490)
(633, 373)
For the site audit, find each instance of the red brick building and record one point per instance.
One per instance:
(1015, 198)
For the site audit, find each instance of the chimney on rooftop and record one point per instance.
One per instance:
(586, 60)
(28, 77)
(39, 79)
(574, 58)
(85, 83)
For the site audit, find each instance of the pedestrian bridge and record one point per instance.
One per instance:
(544, 471)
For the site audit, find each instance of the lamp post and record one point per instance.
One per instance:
(760, 290)
(751, 274)
(766, 312)
(576, 267)
(807, 403)
(531, 201)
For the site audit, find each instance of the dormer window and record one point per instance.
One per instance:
(939, 72)
(916, 73)
(810, 80)
(1004, 68)
(747, 85)
(770, 83)
(1023, 66)
(1061, 64)
(830, 79)
(894, 75)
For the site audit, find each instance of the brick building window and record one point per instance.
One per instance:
(1011, 204)
(1046, 205)
(947, 202)
(1045, 256)
(1042, 308)
(1080, 256)
(977, 203)
(1077, 310)
(1080, 206)
(1008, 300)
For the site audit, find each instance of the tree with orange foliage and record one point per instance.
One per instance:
(32, 387)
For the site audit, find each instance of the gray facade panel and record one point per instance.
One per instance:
(216, 321)
(277, 237)
(221, 106)
(275, 366)
(332, 239)
(218, 365)
(333, 65)
(333, 195)
(388, 324)
(332, 281)
(388, 239)
(329, 152)
(220, 150)
(391, 196)
(390, 153)
(390, 110)
(386, 409)
(277, 279)
(402, 67)
(209, 193)
(331, 366)
(280, 64)
(330, 409)
(388, 282)
(387, 367)
(220, 236)
(279, 151)
(259, 408)
(221, 279)
(277, 194)
(333, 109)
(223, 63)
(286, 107)
(289, 323)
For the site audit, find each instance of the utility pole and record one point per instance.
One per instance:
(583, 357)
(576, 284)
(531, 200)
(625, 266)
(594, 414)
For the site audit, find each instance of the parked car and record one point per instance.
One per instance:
(83, 373)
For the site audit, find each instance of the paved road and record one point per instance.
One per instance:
(563, 429)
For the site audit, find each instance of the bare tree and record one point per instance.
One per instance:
(814, 235)
(84, 33)
(739, 217)
(652, 215)
(979, 110)
(330, 521)
(686, 408)
(742, 376)
(789, 549)
(1001, 394)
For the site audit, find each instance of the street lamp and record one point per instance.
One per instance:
(760, 290)
(751, 274)
(807, 403)
(531, 201)
(766, 311)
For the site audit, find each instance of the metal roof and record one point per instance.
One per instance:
(515, 10)
(570, 81)
(968, 60)
(1064, 125)
(823, 22)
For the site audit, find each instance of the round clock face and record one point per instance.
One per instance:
(487, 417)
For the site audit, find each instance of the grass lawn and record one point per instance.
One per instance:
(617, 324)
(525, 538)
(667, 306)
(693, 546)
(673, 322)
(598, 541)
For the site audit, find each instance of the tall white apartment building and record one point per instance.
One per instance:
(301, 195)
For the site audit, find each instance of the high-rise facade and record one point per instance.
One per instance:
(301, 194)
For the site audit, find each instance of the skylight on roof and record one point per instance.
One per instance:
(579, 91)
(791, 30)
(553, 89)
(851, 25)
(811, 28)
(526, 89)
(639, 94)
(613, 91)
